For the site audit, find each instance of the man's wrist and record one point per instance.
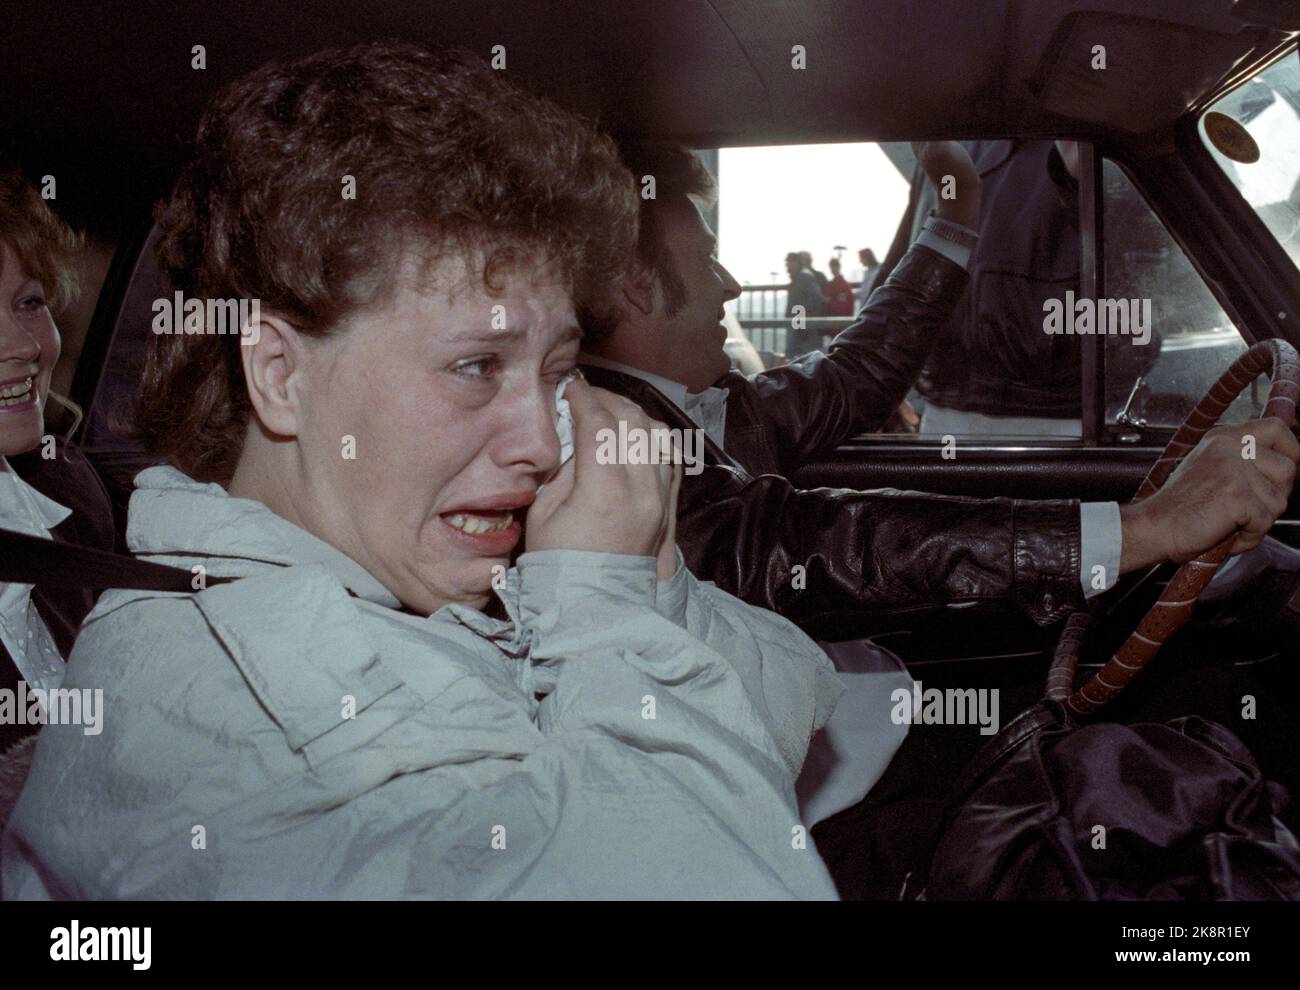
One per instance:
(965, 210)
(1140, 546)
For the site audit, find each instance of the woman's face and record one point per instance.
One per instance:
(29, 348)
(428, 424)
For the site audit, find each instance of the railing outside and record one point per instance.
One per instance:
(769, 336)
(761, 312)
(761, 302)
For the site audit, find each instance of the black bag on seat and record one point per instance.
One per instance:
(1051, 810)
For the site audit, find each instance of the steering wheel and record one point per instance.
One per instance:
(1175, 605)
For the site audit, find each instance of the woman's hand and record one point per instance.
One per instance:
(609, 508)
(940, 159)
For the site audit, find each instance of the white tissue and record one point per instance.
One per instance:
(564, 424)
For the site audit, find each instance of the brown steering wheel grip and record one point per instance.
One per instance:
(1175, 606)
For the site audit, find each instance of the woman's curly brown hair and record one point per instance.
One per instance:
(445, 155)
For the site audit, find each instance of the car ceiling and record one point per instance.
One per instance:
(112, 80)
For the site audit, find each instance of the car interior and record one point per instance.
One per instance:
(110, 108)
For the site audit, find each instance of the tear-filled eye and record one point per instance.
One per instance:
(483, 367)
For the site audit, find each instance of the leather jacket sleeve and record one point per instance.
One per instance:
(881, 551)
(805, 409)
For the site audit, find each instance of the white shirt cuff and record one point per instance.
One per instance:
(950, 250)
(1100, 545)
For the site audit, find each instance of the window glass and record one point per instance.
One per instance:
(1179, 339)
(1168, 338)
(995, 372)
(1265, 162)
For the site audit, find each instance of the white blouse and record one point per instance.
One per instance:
(23, 632)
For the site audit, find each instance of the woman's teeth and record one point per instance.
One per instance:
(16, 394)
(478, 524)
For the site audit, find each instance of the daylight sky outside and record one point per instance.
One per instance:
(805, 198)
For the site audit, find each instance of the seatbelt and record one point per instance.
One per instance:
(26, 559)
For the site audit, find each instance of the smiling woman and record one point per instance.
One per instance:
(46, 489)
(36, 269)
(346, 718)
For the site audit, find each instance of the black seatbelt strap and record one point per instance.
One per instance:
(26, 559)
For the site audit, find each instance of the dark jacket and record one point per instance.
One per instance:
(744, 526)
(996, 358)
(68, 479)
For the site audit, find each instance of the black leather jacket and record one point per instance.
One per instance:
(744, 526)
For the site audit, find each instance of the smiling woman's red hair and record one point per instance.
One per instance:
(46, 247)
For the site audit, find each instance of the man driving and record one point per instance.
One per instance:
(745, 526)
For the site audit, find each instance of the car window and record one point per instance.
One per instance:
(1178, 339)
(1168, 338)
(1264, 161)
(839, 203)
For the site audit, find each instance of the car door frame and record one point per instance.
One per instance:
(1242, 264)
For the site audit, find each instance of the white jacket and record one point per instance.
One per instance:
(294, 734)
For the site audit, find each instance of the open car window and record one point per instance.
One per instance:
(830, 200)
(1165, 337)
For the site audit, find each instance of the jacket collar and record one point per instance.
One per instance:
(173, 516)
(23, 508)
(675, 392)
(658, 405)
(707, 409)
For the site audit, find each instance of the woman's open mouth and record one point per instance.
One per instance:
(17, 396)
(474, 525)
(491, 529)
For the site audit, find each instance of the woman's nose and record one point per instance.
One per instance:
(528, 438)
(18, 345)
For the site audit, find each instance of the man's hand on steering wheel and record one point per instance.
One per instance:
(1217, 490)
